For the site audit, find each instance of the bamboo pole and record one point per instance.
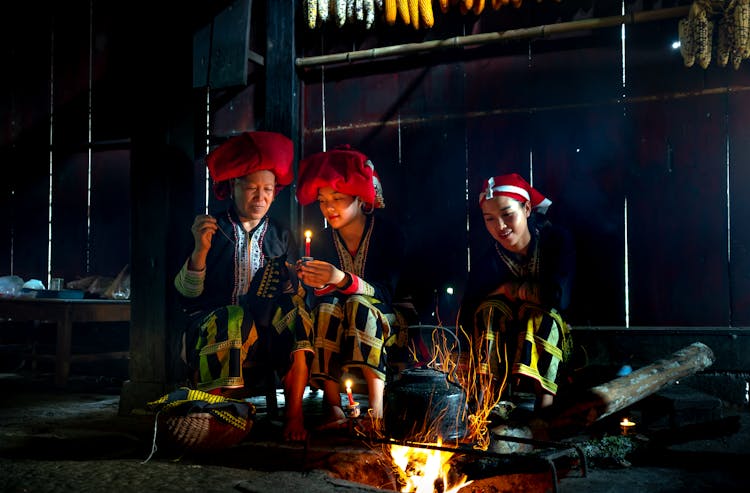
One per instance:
(493, 37)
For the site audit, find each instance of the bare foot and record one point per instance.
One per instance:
(294, 430)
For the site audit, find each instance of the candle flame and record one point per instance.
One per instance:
(626, 422)
(348, 384)
(308, 235)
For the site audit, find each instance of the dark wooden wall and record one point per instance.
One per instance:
(666, 149)
(670, 147)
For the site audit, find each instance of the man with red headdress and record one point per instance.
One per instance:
(239, 292)
(517, 293)
(356, 267)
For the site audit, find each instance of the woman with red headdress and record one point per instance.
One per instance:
(239, 292)
(353, 276)
(517, 293)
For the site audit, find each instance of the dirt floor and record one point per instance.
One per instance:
(74, 440)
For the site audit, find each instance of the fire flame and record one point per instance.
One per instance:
(422, 470)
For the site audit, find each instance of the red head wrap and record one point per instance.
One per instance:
(343, 169)
(250, 152)
(515, 187)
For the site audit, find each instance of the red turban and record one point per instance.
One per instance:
(250, 152)
(343, 169)
(515, 187)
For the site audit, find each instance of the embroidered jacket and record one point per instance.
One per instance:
(376, 267)
(235, 256)
(546, 273)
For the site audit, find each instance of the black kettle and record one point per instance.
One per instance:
(422, 405)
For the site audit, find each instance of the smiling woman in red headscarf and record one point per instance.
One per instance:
(353, 276)
(240, 294)
(517, 293)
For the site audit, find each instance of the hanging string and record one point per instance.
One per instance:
(153, 442)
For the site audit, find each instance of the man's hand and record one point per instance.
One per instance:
(204, 227)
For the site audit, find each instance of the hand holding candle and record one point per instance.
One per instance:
(349, 392)
(308, 238)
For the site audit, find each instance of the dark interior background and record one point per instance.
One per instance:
(645, 160)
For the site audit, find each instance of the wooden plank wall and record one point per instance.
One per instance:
(47, 80)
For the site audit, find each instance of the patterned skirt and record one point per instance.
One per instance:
(525, 340)
(229, 336)
(349, 333)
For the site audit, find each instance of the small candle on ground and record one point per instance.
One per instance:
(308, 239)
(349, 392)
(626, 426)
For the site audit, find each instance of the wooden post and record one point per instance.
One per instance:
(598, 402)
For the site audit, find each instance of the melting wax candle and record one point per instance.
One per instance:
(308, 238)
(349, 392)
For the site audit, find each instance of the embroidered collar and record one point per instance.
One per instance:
(522, 267)
(354, 264)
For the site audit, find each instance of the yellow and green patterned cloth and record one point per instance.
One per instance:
(185, 401)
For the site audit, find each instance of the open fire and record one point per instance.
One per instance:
(425, 470)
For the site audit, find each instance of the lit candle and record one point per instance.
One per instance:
(308, 237)
(349, 392)
(626, 426)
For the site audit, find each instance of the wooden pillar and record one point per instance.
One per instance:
(161, 169)
(282, 83)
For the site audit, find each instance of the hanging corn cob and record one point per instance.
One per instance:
(323, 10)
(687, 42)
(414, 13)
(478, 6)
(390, 12)
(723, 41)
(444, 4)
(369, 6)
(425, 11)
(403, 11)
(702, 34)
(340, 8)
(742, 27)
(311, 7)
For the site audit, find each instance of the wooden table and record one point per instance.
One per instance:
(66, 312)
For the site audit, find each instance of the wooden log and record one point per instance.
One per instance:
(587, 407)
